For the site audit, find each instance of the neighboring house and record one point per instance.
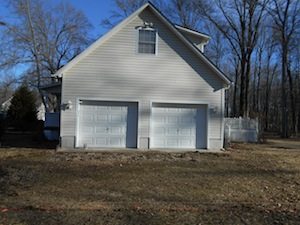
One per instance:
(145, 84)
(51, 119)
(40, 108)
(5, 105)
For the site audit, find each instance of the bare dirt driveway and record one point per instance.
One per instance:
(250, 184)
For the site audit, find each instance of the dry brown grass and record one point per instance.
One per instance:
(251, 184)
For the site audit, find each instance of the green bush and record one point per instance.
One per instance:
(22, 112)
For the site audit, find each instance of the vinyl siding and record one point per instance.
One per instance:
(115, 71)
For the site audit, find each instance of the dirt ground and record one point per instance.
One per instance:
(249, 184)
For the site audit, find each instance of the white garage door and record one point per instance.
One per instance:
(102, 124)
(173, 127)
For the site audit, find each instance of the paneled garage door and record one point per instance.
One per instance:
(106, 124)
(178, 126)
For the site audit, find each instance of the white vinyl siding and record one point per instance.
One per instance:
(114, 71)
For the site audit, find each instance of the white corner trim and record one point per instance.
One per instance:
(222, 116)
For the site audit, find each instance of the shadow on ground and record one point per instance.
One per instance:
(26, 140)
(229, 214)
(250, 184)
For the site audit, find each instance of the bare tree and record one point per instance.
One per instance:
(123, 8)
(43, 38)
(259, 59)
(185, 13)
(239, 22)
(236, 74)
(295, 68)
(179, 11)
(270, 71)
(217, 49)
(286, 20)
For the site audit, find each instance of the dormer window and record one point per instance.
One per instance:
(147, 40)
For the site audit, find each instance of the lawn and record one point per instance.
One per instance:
(249, 184)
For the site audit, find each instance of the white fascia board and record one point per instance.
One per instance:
(99, 42)
(201, 35)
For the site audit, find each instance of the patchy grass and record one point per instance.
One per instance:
(251, 184)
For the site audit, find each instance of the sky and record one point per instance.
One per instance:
(95, 11)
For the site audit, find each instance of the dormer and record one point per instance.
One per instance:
(197, 38)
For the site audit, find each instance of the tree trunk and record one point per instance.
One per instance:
(227, 103)
(284, 112)
(234, 108)
(268, 90)
(258, 100)
(36, 54)
(246, 94)
(292, 99)
(253, 90)
(242, 88)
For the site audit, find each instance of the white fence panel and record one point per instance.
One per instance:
(241, 130)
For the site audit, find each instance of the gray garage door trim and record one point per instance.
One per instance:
(106, 124)
(179, 126)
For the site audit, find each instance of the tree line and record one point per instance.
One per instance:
(255, 42)
(36, 41)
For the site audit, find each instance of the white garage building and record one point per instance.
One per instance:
(145, 84)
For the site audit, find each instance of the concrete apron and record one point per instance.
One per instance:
(95, 150)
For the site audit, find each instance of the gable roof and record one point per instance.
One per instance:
(122, 24)
(193, 32)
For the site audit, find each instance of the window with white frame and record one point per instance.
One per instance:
(147, 41)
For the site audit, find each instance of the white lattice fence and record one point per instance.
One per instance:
(241, 130)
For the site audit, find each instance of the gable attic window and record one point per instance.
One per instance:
(147, 40)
